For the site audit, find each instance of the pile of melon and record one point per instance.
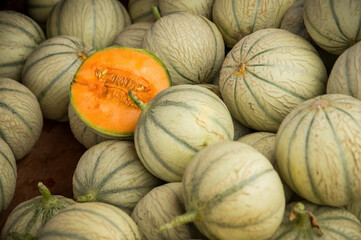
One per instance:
(207, 119)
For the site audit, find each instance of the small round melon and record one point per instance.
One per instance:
(160, 206)
(318, 147)
(200, 7)
(49, 71)
(345, 77)
(97, 23)
(333, 25)
(8, 175)
(236, 19)
(293, 22)
(231, 191)
(133, 35)
(28, 218)
(111, 172)
(21, 120)
(265, 143)
(284, 64)
(304, 220)
(91, 221)
(19, 36)
(39, 10)
(141, 10)
(190, 46)
(176, 124)
(82, 132)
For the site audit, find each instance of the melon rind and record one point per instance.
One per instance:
(39, 10)
(190, 46)
(92, 220)
(318, 147)
(267, 74)
(345, 77)
(333, 25)
(141, 10)
(111, 172)
(133, 35)
(96, 23)
(200, 7)
(235, 191)
(21, 120)
(49, 71)
(176, 124)
(161, 205)
(19, 36)
(8, 175)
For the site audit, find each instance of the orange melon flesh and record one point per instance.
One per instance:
(99, 91)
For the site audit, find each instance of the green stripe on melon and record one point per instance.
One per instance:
(231, 191)
(97, 23)
(160, 206)
(111, 172)
(49, 71)
(175, 125)
(8, 175)
(180, 40)
(316, 149)
(91, 221)
(21, 120)
(39, 10)
(19, 36)
(82, 132)
(29, 217)
(238, 18)
(345, 77)
(333, 25)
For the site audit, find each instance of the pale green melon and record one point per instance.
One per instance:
(200, 7)
(284, 64)
(82, 132)
(318, 147)
(161, 205)
(90, 221)
(97, 23)
(334, 25)
(304, 220)
(28, 218)
(355, 208)
(19, 36)
(265, 143)
(21, 120)
(190, 46)
(293, 22)
(231, 191)
(39, 10)
(133, 35)
(345, 77)
(236, 19)
(111, 172)
(141, 10)
(8, 175)
(176, 124)
(49, 71)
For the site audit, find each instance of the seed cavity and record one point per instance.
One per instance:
(117, 82)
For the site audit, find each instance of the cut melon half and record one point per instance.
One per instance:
(99, 90)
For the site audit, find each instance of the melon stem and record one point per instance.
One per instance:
(304, 219)
(155, 12)
(44, 191)
(137, 101)
(180, 220)
(90, 197)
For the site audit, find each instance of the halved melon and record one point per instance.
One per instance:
(99, 91)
